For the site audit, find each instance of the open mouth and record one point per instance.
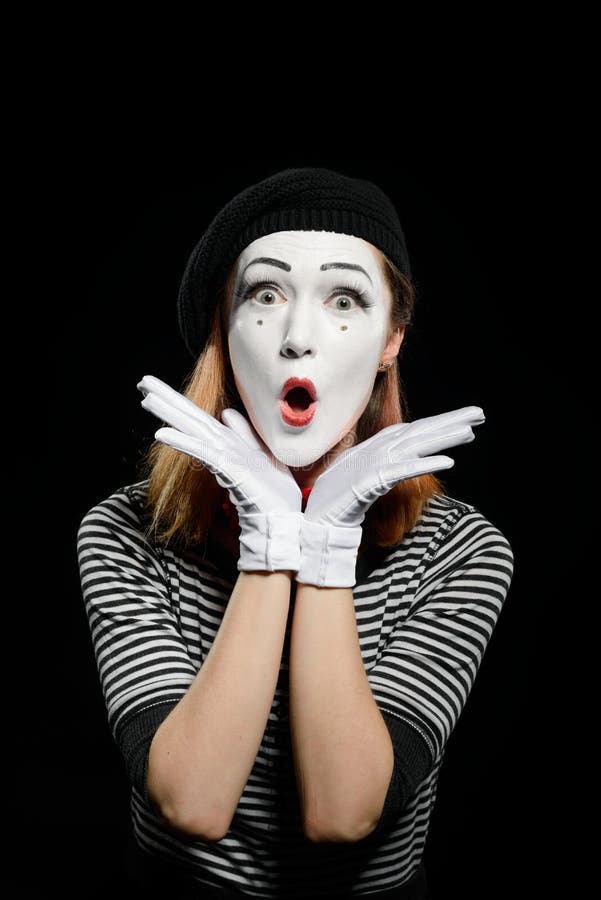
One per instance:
(298, 401)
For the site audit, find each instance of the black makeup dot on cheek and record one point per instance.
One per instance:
(343, 327)
(259, 321)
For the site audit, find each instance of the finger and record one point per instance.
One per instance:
(180, 416)
(432, 443)
(150, 383)
(154, 387)
(412, 468)
(376, 482)
(404, 433)
(467, 415)
(446, 430)
(235, 458)
(192, 446)
(243, 428)
(347, 457)
(376, 450)
(226, 471)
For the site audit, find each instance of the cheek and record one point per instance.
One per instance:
(344, 346)
(361, 348)
(248, 341)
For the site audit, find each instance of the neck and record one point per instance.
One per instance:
(306, 476)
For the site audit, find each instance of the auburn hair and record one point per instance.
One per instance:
(184, 497)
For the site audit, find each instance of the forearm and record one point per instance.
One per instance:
(342, 747)
(202, 754)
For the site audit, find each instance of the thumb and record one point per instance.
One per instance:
(242, 427)
(412, 468)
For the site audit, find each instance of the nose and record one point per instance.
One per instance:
(299, 339)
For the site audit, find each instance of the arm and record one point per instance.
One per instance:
(202, 754)
(431, 658)
(354, 765)
(210, 722)
(341, 717)
(342, 747)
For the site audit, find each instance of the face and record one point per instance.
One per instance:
(308, 326)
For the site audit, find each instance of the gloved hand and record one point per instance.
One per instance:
(331, 528)
(265, 494)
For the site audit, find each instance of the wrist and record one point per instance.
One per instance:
(269, 542)
(328, 554)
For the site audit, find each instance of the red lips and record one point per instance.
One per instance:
(297, 401)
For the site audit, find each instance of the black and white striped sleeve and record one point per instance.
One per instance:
(422, 680)
(142, 660)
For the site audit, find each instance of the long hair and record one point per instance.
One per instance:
(185, 498)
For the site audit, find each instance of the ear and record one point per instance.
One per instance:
(394, 345)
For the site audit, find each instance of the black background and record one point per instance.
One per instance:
(117, 235)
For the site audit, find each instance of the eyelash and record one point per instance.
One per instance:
(248, 288)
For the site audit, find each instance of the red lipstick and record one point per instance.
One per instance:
(298, 401)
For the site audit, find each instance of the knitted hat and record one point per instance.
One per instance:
(299, 199)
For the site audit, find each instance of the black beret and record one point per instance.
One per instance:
(295, 199)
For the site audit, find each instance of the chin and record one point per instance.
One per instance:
(295, 458)
(315, 444)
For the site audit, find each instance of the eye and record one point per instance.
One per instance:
(266, 297)
(348, 298)
(344, 302)
(263, 292)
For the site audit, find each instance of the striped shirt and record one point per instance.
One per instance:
(425, 612)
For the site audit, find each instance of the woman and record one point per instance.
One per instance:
(288, 612)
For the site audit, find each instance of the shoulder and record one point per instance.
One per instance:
(113, 540)
(463, 521)
(120, 520)
(462, 535)
(126, 505)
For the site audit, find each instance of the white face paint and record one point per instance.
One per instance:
(307, 317)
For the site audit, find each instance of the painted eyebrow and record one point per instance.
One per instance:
(270, 261)
(287, 267)
(343, 265)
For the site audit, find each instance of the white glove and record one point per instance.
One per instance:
(331, 527)
(265, 494)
